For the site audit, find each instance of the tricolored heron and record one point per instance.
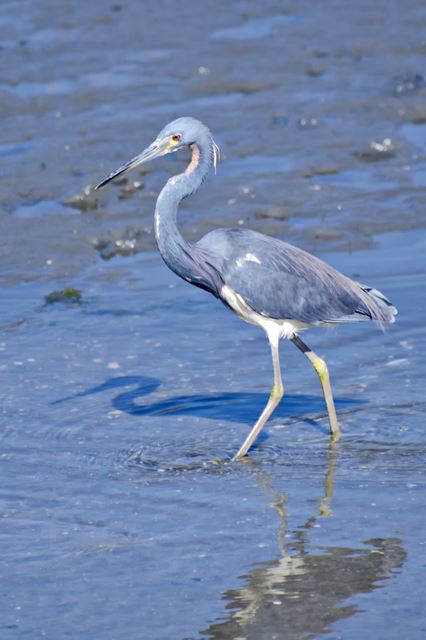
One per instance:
(263, 280)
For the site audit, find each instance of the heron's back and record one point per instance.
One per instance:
(281, 281)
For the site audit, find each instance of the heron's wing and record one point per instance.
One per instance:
(281, 281)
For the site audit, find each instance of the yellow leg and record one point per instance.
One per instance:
(321, 368)
(274, 399)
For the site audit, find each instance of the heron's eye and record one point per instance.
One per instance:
(177, 137)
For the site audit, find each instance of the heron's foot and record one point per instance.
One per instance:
(324, 508)
(239, 456)
(335, 432)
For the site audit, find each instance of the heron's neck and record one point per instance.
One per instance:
(179, 255)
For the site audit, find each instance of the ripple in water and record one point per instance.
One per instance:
(172, 458)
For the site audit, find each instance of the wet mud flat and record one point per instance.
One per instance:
(125, 392)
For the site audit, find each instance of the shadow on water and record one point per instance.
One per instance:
(216, 406)
(303, 592)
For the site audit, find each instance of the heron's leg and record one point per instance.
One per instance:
(274, 399)
(321, 368)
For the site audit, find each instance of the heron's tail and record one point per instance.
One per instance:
(381, 309)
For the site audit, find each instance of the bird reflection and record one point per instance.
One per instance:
(301, 594)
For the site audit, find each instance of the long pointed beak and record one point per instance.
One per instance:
(155, 150)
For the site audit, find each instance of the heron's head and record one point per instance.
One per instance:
(179, 134)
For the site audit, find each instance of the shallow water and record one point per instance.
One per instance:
(122, 515)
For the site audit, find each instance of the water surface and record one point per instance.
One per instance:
(121, 514)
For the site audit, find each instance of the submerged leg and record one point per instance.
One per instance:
(321, 368)
(274, 399)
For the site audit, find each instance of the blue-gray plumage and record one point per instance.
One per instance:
(265, 281)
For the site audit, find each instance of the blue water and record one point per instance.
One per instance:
(121, 509)
(121, 513)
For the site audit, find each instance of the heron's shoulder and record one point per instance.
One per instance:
(236, 244)
(239, 239)
(223, 243)
(229, 234)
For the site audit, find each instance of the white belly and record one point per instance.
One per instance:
(284, 328)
